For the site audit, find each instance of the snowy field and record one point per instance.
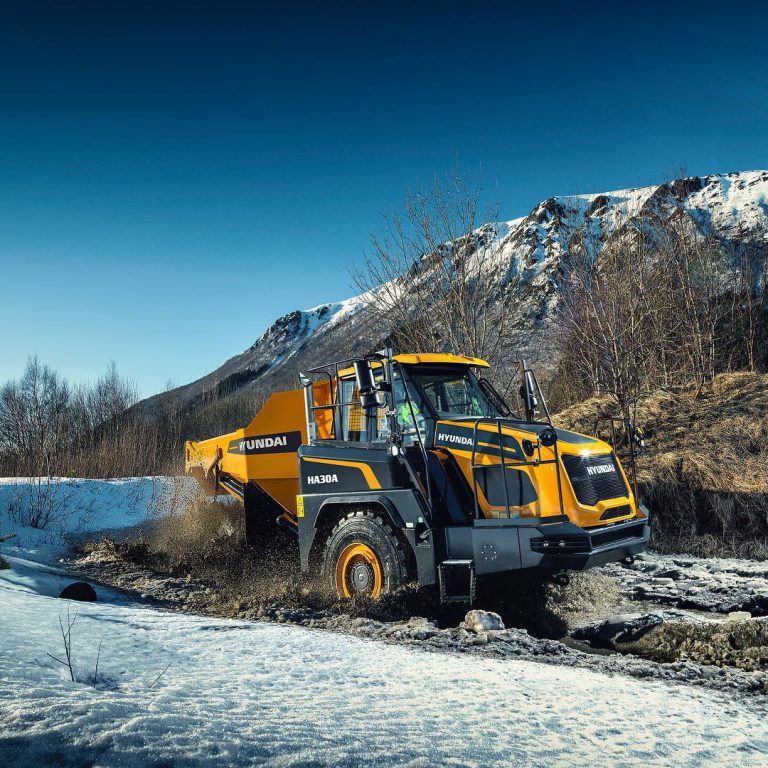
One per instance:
(249, 693)
(70, 507)
(180, 690)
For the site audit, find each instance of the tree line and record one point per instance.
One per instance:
(661, 305)
(52, 427)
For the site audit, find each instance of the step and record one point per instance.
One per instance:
(457, 581)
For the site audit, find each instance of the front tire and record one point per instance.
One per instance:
(363, 557)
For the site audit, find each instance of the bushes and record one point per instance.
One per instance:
(704, 471)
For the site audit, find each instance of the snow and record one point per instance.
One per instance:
(532, 251)
(244, 693)
(184, 690)
(732, 203)
(78, 506)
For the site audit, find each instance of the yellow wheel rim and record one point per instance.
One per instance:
(358, 572)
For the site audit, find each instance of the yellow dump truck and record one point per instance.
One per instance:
(393, 469)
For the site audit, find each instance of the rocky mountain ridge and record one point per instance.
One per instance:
(532, 250)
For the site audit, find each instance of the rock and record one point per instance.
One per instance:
(670, 573)
(601, 634)
(79, 590)
(739, 616)
(478, 621)
(636, 628)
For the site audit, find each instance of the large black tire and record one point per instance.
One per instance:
(363, 557)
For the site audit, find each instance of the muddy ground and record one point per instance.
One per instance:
(679, 619)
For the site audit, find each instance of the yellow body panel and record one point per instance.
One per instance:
(543, 476)
(433, 357)
(426, 358)
(246, 454)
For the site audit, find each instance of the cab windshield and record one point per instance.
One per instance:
(453, 392)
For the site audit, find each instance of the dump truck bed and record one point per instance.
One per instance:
(263, 453)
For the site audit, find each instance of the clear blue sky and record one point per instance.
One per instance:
(173, 177)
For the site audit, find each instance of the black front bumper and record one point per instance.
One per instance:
(502, 545)
(576, 549)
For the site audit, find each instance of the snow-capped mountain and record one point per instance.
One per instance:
(531, 249)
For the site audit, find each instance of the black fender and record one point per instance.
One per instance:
(355, 500)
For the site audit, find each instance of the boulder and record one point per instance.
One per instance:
(635, 629)
(600, 634)
(483, 621)
(79, 590)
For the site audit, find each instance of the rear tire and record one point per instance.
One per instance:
(363, 557)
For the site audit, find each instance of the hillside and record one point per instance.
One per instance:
(534, 252)
(704, 469)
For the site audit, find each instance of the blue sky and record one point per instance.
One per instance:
(176, 176)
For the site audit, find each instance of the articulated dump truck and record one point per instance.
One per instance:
(394, 469)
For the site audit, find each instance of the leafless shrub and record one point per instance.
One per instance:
(66, 636)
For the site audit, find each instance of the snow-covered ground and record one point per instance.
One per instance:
(244, 693)
(183, 690)
(76, 506)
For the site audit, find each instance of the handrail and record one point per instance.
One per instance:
(336, 405)
(421, 444)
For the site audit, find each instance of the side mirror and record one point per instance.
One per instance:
(528, 394)
(366, 386)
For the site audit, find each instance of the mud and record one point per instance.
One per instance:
(710, 585)
(542, 622)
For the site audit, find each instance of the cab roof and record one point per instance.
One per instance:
(416, 358)
(426, 358)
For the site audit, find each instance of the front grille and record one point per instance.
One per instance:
(595, 478)
(614, 512)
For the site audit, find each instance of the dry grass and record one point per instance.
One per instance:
(704, 471)
(740, 644)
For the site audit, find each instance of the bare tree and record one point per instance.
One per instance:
(748, 325)
(66, 635)
(703, 279)
(613, 295)
(436, 278)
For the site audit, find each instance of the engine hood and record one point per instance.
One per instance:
(458, 434)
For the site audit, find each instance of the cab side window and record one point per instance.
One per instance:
(357, 425)
(412, 414)
(352, 416)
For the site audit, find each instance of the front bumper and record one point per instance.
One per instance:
(508, 545)
(589, 547)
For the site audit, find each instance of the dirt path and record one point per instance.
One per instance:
(635, 622)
